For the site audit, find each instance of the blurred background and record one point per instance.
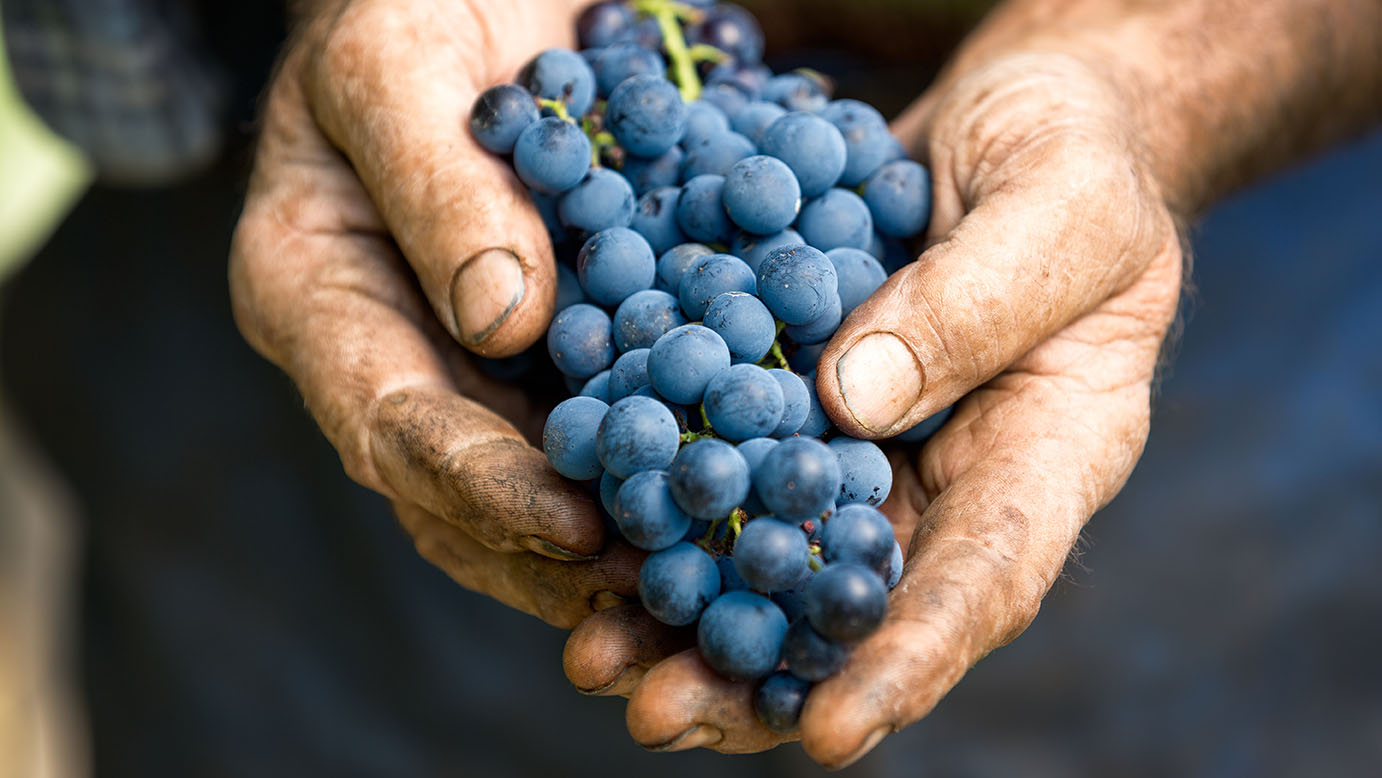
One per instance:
(238, 607)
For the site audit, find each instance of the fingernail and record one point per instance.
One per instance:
(484, 292)
(695, 737)
(880, 380)
(624, 683)
(538, 545)
(874, 738)
(603, 600)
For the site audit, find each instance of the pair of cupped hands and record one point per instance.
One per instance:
(380, 247)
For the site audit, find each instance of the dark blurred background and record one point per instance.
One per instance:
(247, 610)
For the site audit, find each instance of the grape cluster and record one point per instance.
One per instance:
(716, 222)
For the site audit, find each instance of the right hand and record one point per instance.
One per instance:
(378, 243)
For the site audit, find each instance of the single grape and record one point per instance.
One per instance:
(795, 92)
(619, 61)
(761, 194)
(753, 249)
(771, 555)
(637, 434)
(927, 427)
(729, 98)
(709, 478)
(797, 283)
(743, 402)
(868, 478)
(580, 341)
(859, 534)
(569, 291)
(648, 174)
(743, 322)
(563, 75)
(715, 154)
(700, 211)
(817, 424)
(779, 699)
(859, 275)
(609, 490)
(630, 372)
(615, 263)
(597, 386)
(846, 602)
(899, 198)
(730, 29)
(866, 138)
(603, 199)
(644, 317)
(646, 115)
(819, 329)
(755, 118)
(648, 34)
(895, 564)
(837, 218)
(747, 77)
(646, 514)
(796, 402)
(753, 450)
(729, 577)
(740, 635)
(551, 155)
(499, 115)
(684, 360)
(710, 277)
(656, 219)
(703, 120)
(604, 23)
(546, 205)
(793, 601)
(811, 147)
(798, 479)
(568, 437)
(673, 262)
(679, 412)
(809, 655)
(677, 583)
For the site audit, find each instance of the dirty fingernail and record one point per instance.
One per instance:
(485, 291)
(547, 548)
(695, 737)
(880, 380)
(874, 738)
(623, 684)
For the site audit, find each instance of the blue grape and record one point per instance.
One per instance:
(755, 118)
(817, 423)
(748, 78)
(646, 115)
(563, 75)
(761, 194)
(927, 427)
(896, 255)
(837, 218)
(677, 583)
(729, 577)
(846, 602)
(637, 434)
(743, 322)
(740, 635)
(743, 402)
(573, 385)
(499, 115)
(630, 372)
(619, 61)
(797, 283)
(811, 147)
(859, 275)
(648, 174)
(684, 360)
(895, 564)
(648, 34)
(700, 211)
(709, 478)
(715, 154)
(604, 23)
(609, 490)
(798, 479)
(771, 555)
(809, 655)
(581, 341)
(866, 138)
(819, 329)
(793, 601)
(656, 219)
(597, 386)
(644, 317)
(679, 412)
(672, 265)
(615, 263)
(795, 92)
(711, 277)
(867, 476)
(753, 249)
(859, 534)
(899, 198)
(803, 359)
(779, 699)
(753, 450)
(796, 402)
(703, 120)
(569, 291)
(568, 437)
(646, 514)
(551, 155)
(697, 530)
(729, 98)
(546, 205)
(603, 199)
(730, 29)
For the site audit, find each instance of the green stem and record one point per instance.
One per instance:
(557, 107)
(706, 421)
(668, 15)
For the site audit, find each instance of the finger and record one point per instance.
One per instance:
(319, 290)
(1054, 222)
(683, 703)
(392, 88)
(560, 593)
(609, 653)
(1024, 463)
